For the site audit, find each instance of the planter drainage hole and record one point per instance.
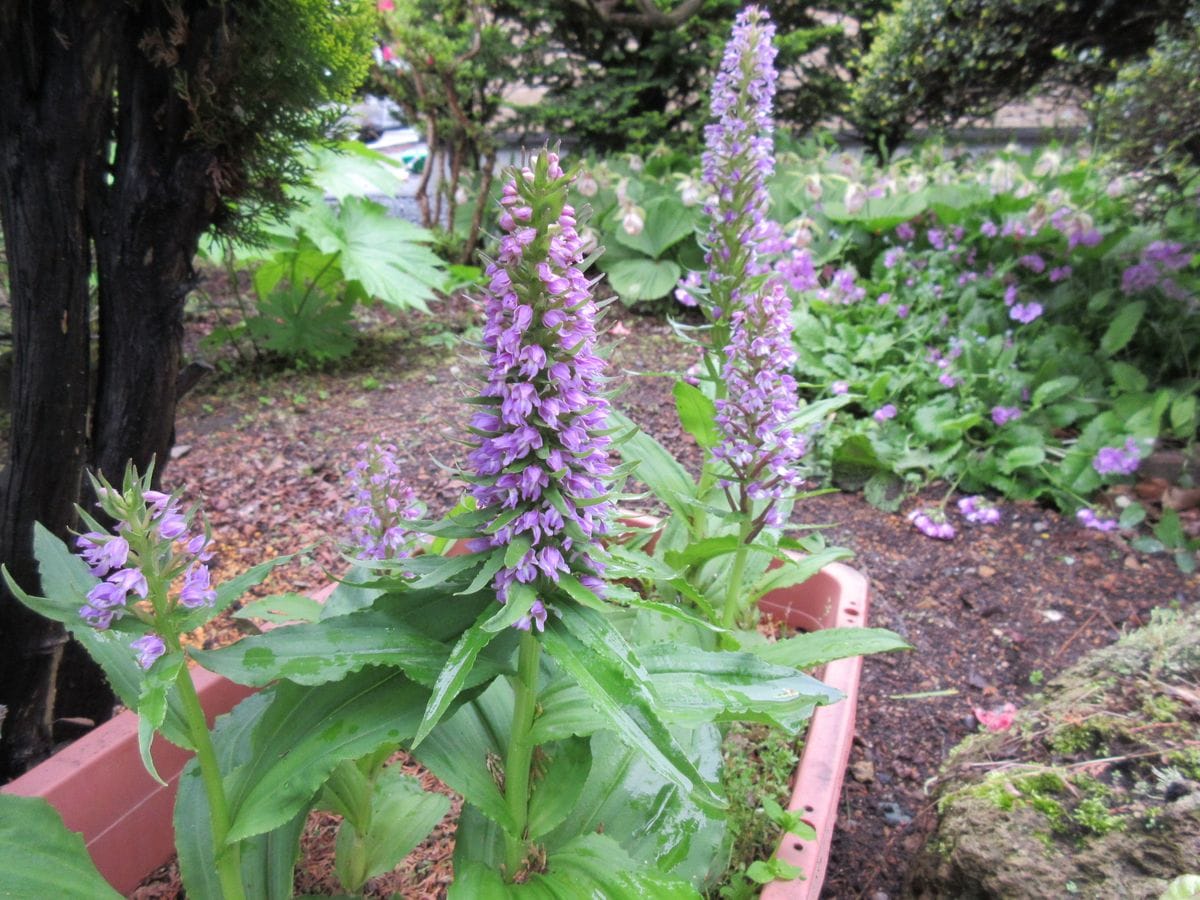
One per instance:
(852, 612)
(808, 809)
(798, 847)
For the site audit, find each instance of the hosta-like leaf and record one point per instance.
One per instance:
(643, 279)
(39, 857)
(555, 791)
(667, 223)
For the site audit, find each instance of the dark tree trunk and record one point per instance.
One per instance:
(53, 83)
(160, 200)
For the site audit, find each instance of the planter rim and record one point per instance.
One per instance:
(838, 596)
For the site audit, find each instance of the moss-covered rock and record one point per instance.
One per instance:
(1095, 791)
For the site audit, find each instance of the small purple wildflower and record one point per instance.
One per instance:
(102, 552)
(989, 229)
(1002, 415)
(1117, 461)
(1059, 273)
(1139, 277)
(902, 311)
(149, 647)
(839, 388)
(932, 523)
(1033, 262)
(1169, 255)
(1025, 312)
(905, 231)
(936, 238)
(978, 510)
(885, 412)
(1088, 519)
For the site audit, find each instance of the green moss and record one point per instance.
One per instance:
(1160, 708)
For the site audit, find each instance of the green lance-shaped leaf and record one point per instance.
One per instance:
(657, 468)
(402, 815)
(652, 820)
(306, 731)
(697, 414)
(806, 651)
(329, 650)
(587, 646)
(39, 857)
(268, 859)
(66, 581)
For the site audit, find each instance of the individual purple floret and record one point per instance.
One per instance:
(1117, 460)
(149, 647)
(1088, 519)
(978, 510)
(885, 412)
(541, 462)
(1002, 415)
(382, 502)
(932, 523)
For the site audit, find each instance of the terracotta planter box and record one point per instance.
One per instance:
(836, 597)
(101, 789)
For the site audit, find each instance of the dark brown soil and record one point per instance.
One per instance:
(990, 614)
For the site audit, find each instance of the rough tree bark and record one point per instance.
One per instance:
(53, 69)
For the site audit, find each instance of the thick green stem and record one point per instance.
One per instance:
(733, 590)
(228, 858)
(520, 753)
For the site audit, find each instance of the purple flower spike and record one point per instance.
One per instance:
(149, 647)
(541, 460)
(738, 159)
(381, 502)
(759, 444)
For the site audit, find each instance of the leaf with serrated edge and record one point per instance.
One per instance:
(40, 857)
(591, 650)
(307, 731)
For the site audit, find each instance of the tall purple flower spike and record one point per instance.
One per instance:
(739, 158)
(759, 444)
(541, 462)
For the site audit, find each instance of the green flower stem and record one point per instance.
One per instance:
(229, 863)
(733, 590)
(520, 753)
